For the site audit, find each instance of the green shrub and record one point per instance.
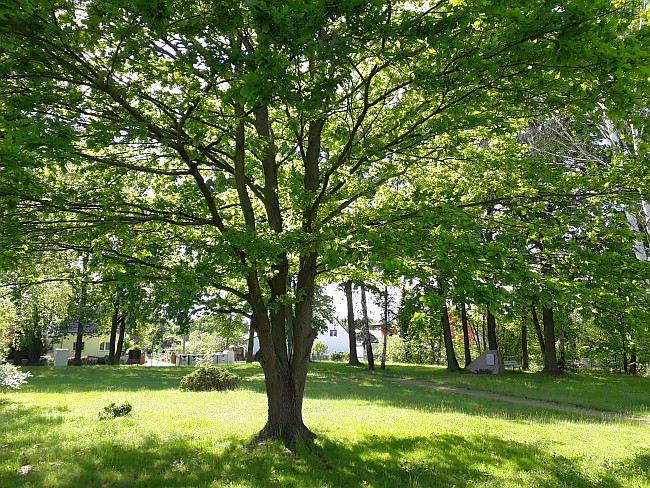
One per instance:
(112, 410)
(208, 378)
(340, 356)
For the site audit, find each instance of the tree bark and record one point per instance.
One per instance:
(463, 318)
(366, 328)
(550, 357)
(452, 362)
(352, 335)
(113, 335)
(492, 330)
(120, 339)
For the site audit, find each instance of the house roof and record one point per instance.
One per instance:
(87, 328)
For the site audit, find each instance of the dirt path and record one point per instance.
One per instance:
(522, 401)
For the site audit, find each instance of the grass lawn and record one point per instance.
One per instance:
(370, 433)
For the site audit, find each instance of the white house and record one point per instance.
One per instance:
(337, 339)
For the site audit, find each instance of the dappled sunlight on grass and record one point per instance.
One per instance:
(371, 432)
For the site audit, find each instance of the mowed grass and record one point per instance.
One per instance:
(370, 433)
(591, 389)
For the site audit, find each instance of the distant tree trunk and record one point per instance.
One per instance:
(120, 339)
(78, 344)
(452, 362)
(83, 301)
(633, 365)
(550, 357)
(384, 329)
(484, 333)
(477, 338)
(352, 334)
(561, 360)
(524, 345)
(463, 318)
(366, 328)
(251, 342)
(35, 347)
(538, 329)
(115, 317)
(492, 330)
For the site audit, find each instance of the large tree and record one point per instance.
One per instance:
(247, 139)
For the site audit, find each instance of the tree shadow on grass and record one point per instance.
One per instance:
(437, 460)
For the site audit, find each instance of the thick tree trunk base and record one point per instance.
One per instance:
(552, 372)
(354, 363)
(289, 435)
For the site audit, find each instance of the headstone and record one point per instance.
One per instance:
(489, 362)
(61, 357)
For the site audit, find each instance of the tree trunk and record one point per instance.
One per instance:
(251, 342)
(561, 360)
(463, 318)
(384, 329)
(352, 335)
(78, 344)
(284, 379)
(492, 331)
(477, 337)
(538, 329)
(113, 335)
(452, 362)
(284, 392)
(120, 339)
(483, 335)
(525, 361)
(550, 357)
(366, 328)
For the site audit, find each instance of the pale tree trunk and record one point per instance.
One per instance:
(550, 356)
(384, 329)
(366, 328)
(352, 335)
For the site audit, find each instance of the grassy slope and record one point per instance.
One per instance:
(371, 433)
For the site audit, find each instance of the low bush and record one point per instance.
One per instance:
(113, 410)
(340, 356)
(208, 378)
(11, 377)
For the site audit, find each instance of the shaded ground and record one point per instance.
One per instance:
(522, 401)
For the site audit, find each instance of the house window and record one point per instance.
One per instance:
(74, 346)
(105, 346)
(333, 333)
